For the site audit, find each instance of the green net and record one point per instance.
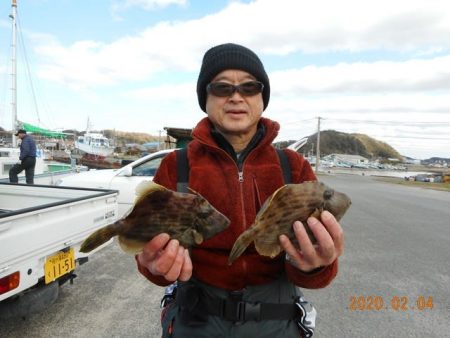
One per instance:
(41, 131)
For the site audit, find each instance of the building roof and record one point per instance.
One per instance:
(179, 133)
(349, 156)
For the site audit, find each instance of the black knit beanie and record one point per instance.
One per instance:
(230, 56)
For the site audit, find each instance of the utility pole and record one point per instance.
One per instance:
(159, 140)
(318, 146)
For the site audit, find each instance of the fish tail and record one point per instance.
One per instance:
(99, 237)
(243, 241)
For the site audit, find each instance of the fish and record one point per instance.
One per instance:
(187, 217)
(289, 203)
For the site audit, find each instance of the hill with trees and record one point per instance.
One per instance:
(335, 142)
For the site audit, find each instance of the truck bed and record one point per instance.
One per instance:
(39, 221)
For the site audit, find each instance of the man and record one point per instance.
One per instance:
(235, 167)
(27, 158)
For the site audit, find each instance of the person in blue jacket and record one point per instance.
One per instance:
(27, 158)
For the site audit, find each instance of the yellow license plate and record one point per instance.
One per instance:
(58, 265)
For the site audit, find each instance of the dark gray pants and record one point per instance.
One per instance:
(27, 164)
(280, 291)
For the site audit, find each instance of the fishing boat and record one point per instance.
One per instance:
(95, 150)
(44, 170)
(94, 144)
(9, 157)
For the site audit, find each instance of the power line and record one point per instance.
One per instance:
(437, 123)
(302, 121)
(420, 137)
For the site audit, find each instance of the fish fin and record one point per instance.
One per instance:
(267, 203)
(192, 191)
(243, 241)
(99, 237)
(145, 188)
(267, 249)
(316, 213)
(131, 246)
(189, 237)
(198, 237)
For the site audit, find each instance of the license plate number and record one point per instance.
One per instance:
(58, 265)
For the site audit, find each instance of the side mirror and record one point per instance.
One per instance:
(127, 171)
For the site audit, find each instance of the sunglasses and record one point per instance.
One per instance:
(223, 89)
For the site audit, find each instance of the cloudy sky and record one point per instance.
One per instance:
(381, 68)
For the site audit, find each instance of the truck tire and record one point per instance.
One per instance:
(31, 301)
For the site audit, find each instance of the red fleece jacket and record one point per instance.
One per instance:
(215, 175)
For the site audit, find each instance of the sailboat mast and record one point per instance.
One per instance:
(14, 71)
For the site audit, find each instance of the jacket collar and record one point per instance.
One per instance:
(205, 134)
(225, 145)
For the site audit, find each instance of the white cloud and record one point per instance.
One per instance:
(363, 77)
(148, 5)
(272, 27)
(179, 92)
(143, 69)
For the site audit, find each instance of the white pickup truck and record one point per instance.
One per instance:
(41, 229)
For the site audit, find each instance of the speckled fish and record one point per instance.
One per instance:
(189, 218)
(288, 204)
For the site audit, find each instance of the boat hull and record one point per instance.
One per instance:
(94, 150)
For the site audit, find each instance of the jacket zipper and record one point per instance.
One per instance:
(240, 169)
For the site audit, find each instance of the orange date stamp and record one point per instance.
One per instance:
(395, 303)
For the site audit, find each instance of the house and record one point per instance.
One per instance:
(410, 160)
(350, 160)
(182, 137)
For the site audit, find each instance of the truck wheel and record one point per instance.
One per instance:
(32, 301)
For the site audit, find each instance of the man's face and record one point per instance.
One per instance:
(235, 114)
(21, 135)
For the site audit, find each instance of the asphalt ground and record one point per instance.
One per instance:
(394, 277)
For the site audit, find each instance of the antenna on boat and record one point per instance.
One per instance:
(14, 71)
(88, 125)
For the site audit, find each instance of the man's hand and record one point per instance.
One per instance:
(165, 257)
(329, 246)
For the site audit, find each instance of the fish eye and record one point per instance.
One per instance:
(327, 194)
